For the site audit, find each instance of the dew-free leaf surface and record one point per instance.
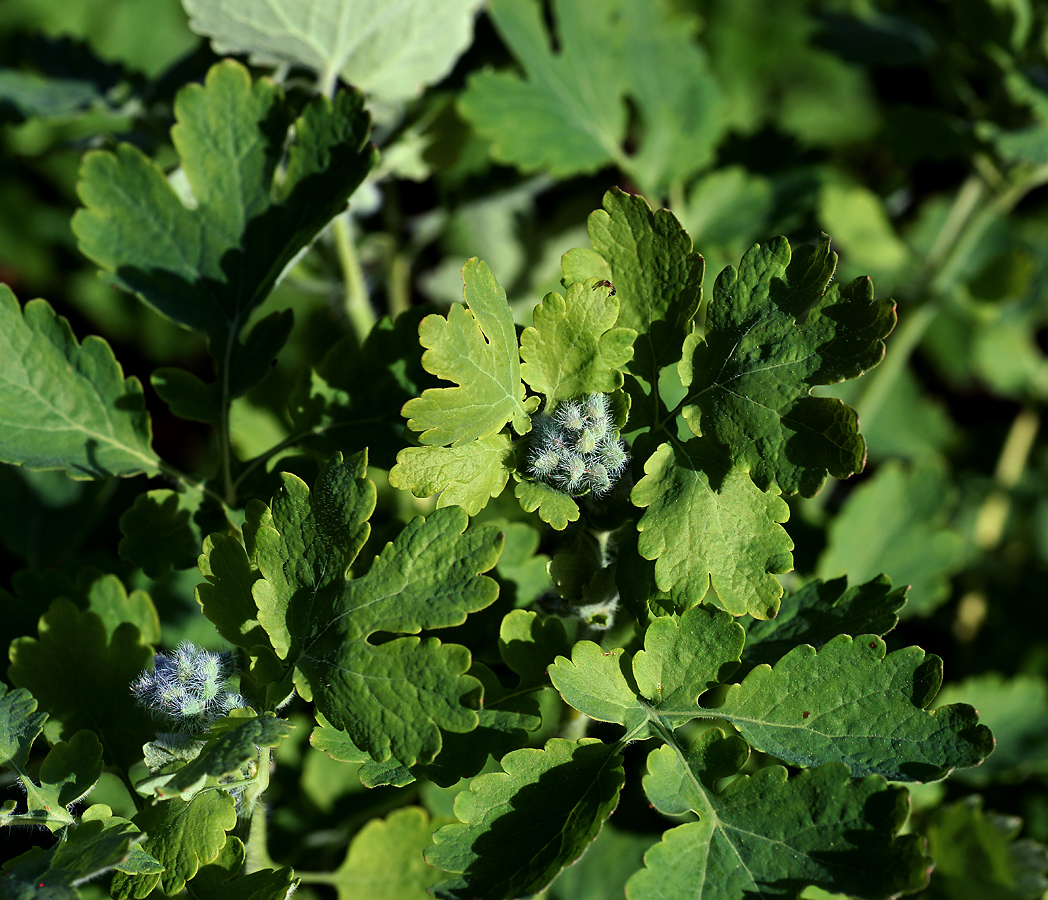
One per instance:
(706, 523)
(66, 405)
(766, 835)
(568, 113)
(209, 264)
(773, 332)
(475, 347)
(574, 347)
(518, 828)
(391, 49)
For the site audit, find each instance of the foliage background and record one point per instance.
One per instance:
(915, 132)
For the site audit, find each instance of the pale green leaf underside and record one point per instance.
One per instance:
(573, 347)
(768, 836)
(65, 405)
(727, 533)
(537, 815)
(475, 347)
(391, 49)
(467, 475)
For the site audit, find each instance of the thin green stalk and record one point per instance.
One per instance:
(257, 849)
(993, 513)
(356, 302)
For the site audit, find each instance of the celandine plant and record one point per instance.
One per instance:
(489, 586)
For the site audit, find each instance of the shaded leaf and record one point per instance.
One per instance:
(222, 879)
(820, 611)
(66, 405)
(164, 529)
(518, 828)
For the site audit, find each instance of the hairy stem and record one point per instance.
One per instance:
(357, 304)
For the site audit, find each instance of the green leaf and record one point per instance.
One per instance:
(389, 50)
(72, 664)
(568, 114)
(71, 769)
(208, 267)
(20, 725)
(604, 869)
(680, 660)
(820, 611)
(182, 837)
(518, 828)
(98, 843)
(707, 523)
(896, 523)
(393, 697)
(850, 701)
(658, 282)
(222, 879)
(530, 643)
(231, 745)
(475, 347)
(1016, 710)
(164, 529)
(573, 348)
(353, 398)
(768, 835)
(553, 507)
(773, 332)
(187, 396)
(66, 405)
(385, 862)
(467, 475)
(108, 599)
(977, 855)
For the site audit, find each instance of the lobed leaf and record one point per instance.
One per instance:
(222, 879)
(475, 347)
(853, 702)
(574, 347)
(210, 264)
(772, 333)
(771, 836)
(66, 405)
(467, 475)
(182, 837)
(706, 523)
(73, 663)
(556, 509)
(518, 828)
(391, 50)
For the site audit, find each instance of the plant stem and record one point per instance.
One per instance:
(993, 513)
(257, 850)
(356, 302)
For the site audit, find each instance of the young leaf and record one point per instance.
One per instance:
(71, 665)
(772, 333)
(391, 50)
(705, 523)
(896, 523)
(518, 828)
(573, 348)
(222, 879)
(468, 475)
(231, 744)
(820, 611)
(553, 507)
(475, 347)
(768, 835)
(568, 115)
(182, 837)
(658, 282)
(850, 701)
(66, 405)
(208, 267)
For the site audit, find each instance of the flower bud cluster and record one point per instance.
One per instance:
(188, 689)
(577, 449)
